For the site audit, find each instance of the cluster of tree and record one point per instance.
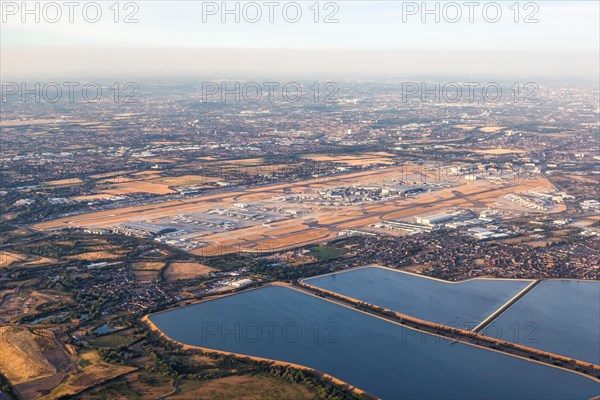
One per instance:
(162, 367)
(287, 272)
(41, 209)
(5, 387)
(326, 390)
(113, 356)
(4, 227)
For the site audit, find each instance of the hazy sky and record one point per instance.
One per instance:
(369, 37)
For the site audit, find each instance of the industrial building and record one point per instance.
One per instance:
(242, 283)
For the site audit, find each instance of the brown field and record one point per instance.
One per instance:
(160, 160)
(376, 158)
(186, 180)
(149, 386)
(143, 385)
(541, 243)
(91, 371)
(7, 258)
(135, 187)
(144, 275)
(23, 356)
(491, 129)
(37, 260)
(148, 174)
(33, 122)
(152, 265)
(465, 127)
(514, 240)
(589, 179)
(98, 196)
(499, 151)
(413, 268)
(247, 387)
(585, 222)
(318, 223)
(264, 169)
(26, 301)
(151, 182)
(186, 270)
(63, 182)
(8, 216)
(245, 161)
(33, 361)
(110, 174)
(95, 255)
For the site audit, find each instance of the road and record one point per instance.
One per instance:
(506, 306)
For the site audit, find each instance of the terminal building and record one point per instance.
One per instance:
(435, 219)
(142, 229)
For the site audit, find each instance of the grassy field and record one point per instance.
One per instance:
(325, 252)
(186, 270)
(248, 387)
(145, 275)
(115, 390)
(91, 371)
(141, 385)
(114, 340)
(148, 266)
(135, 385)
(7, 258)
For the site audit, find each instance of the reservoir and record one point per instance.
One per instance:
(462, 304)
(559, 316)
(380, 357)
